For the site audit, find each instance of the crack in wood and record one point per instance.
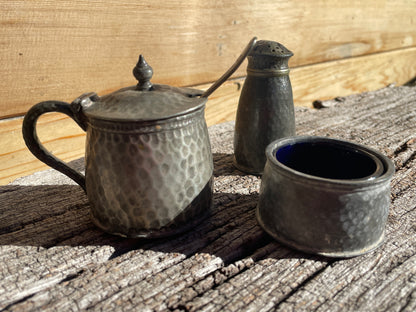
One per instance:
(72, 276)
(410, 159)
(303, 284)
(9, 306)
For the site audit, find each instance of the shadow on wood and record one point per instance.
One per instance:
(58, 215)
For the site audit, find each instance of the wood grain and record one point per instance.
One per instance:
(53, 258)
(353, 75)
(58, 133)
(59, 51)
(321, 81)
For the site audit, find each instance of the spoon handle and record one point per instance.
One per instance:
(232, 69)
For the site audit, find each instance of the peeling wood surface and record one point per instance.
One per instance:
(52, 258)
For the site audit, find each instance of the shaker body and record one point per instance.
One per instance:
(265, 109)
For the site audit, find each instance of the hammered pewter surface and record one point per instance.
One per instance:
(265, 109)
(140, 182)
(161, 102)
(324, 221)
(324, 217)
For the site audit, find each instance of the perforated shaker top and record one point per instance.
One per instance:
(271, 48)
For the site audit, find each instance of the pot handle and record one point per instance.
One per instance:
(73, 110)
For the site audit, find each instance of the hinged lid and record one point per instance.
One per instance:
(145, 101)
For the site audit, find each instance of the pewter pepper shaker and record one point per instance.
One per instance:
(265, 110)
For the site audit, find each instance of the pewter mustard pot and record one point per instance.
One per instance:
(265, 110)
(148, 157)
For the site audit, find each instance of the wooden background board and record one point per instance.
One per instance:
(51, 50)
(52, 258)
(59, 50)
(338, 78)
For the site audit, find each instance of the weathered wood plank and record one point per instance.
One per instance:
(58, 133)
(61, 51)
(351, 76)
(310, 83)
(53, 258)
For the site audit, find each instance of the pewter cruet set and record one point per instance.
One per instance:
(149, 166)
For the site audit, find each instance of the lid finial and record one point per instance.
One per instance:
(143, 73)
